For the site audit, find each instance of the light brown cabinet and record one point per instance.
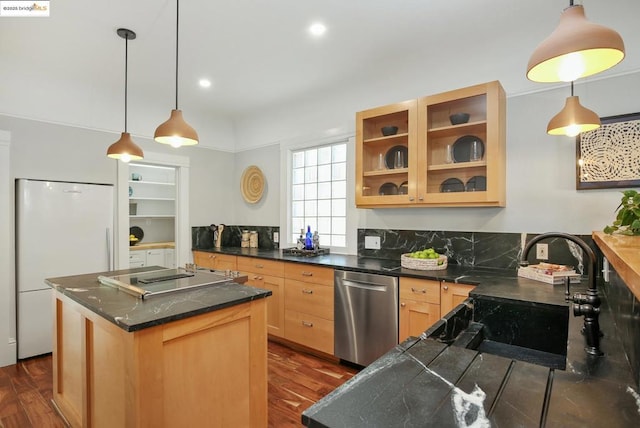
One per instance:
(424, 301)
(380, 178)
(308, 305)
(451, 295)
(439, 169)
(268, 275)
(215, 261)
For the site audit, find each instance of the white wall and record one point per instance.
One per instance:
(266, 211)
(211, 189)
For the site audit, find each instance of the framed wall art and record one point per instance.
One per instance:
(609, 157)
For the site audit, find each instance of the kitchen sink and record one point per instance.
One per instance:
(525, 331)
(475, 337)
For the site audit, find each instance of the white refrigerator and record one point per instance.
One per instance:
(61, 229)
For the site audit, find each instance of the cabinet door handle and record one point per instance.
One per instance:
(307, 324)
(307, 273)
(403, 304)
(421, 198)
(415, 290)
(259, 266)
(411, 199)
(307, 291)
(211, 256)
(256, 277)
(445, 287)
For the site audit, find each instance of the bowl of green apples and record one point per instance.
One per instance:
(425, 259)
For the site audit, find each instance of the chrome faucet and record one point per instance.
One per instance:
(587, 305)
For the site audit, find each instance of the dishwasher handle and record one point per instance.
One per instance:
(353, 283)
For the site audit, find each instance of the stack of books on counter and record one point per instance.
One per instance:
(549, 273)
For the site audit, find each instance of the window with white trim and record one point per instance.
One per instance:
(319, 193)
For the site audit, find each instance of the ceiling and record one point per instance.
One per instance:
(69, 67)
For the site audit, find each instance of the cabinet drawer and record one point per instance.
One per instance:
(309, 298)
(214, 260)
(260, 266)
(137, 256)
(309, 330)
(421, 290)
(309, 273)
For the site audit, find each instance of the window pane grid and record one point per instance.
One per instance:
(318, 192)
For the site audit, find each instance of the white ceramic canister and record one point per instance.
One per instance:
(253, 239)
(244, 243)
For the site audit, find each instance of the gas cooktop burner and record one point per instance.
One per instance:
(305, 253)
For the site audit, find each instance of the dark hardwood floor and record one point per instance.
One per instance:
(296, 381)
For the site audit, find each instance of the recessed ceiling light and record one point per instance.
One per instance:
(317, 29)
(205, 83)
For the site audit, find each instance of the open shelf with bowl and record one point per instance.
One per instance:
(385, 153)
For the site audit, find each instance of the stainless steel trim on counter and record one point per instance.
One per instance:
(366, 315)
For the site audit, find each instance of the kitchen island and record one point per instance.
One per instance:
(195, 357)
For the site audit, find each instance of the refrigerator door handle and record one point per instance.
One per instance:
(109, 255)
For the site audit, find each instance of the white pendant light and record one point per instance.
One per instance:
(576, 48)
(125, 149)
(175, 131)
(573, 119)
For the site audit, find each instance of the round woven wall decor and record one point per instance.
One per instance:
(252, 184)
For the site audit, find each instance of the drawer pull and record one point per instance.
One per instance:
(256, 277)
(307, 324)
(307, 273)
(403, 304)
(415, 290)
(259, 266)
(445, 287)
(307, 291)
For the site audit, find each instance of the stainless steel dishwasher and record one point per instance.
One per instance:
(366, 315)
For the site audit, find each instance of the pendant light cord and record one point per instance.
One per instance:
(126, 64)
(177, 32)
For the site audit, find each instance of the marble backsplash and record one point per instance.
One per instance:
(482, 249)
(202, 236)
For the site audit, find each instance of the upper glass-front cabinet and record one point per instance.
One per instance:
(386, 155)
(449, 150)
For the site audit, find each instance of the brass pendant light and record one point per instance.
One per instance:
(573, 119)
(576, 48)
(125, 149)
(176, 131)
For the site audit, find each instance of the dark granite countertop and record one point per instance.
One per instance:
(422, 382)
(131, 313)
(454, 273)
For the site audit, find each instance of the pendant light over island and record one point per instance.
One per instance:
(125, 149)
(175, 131)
